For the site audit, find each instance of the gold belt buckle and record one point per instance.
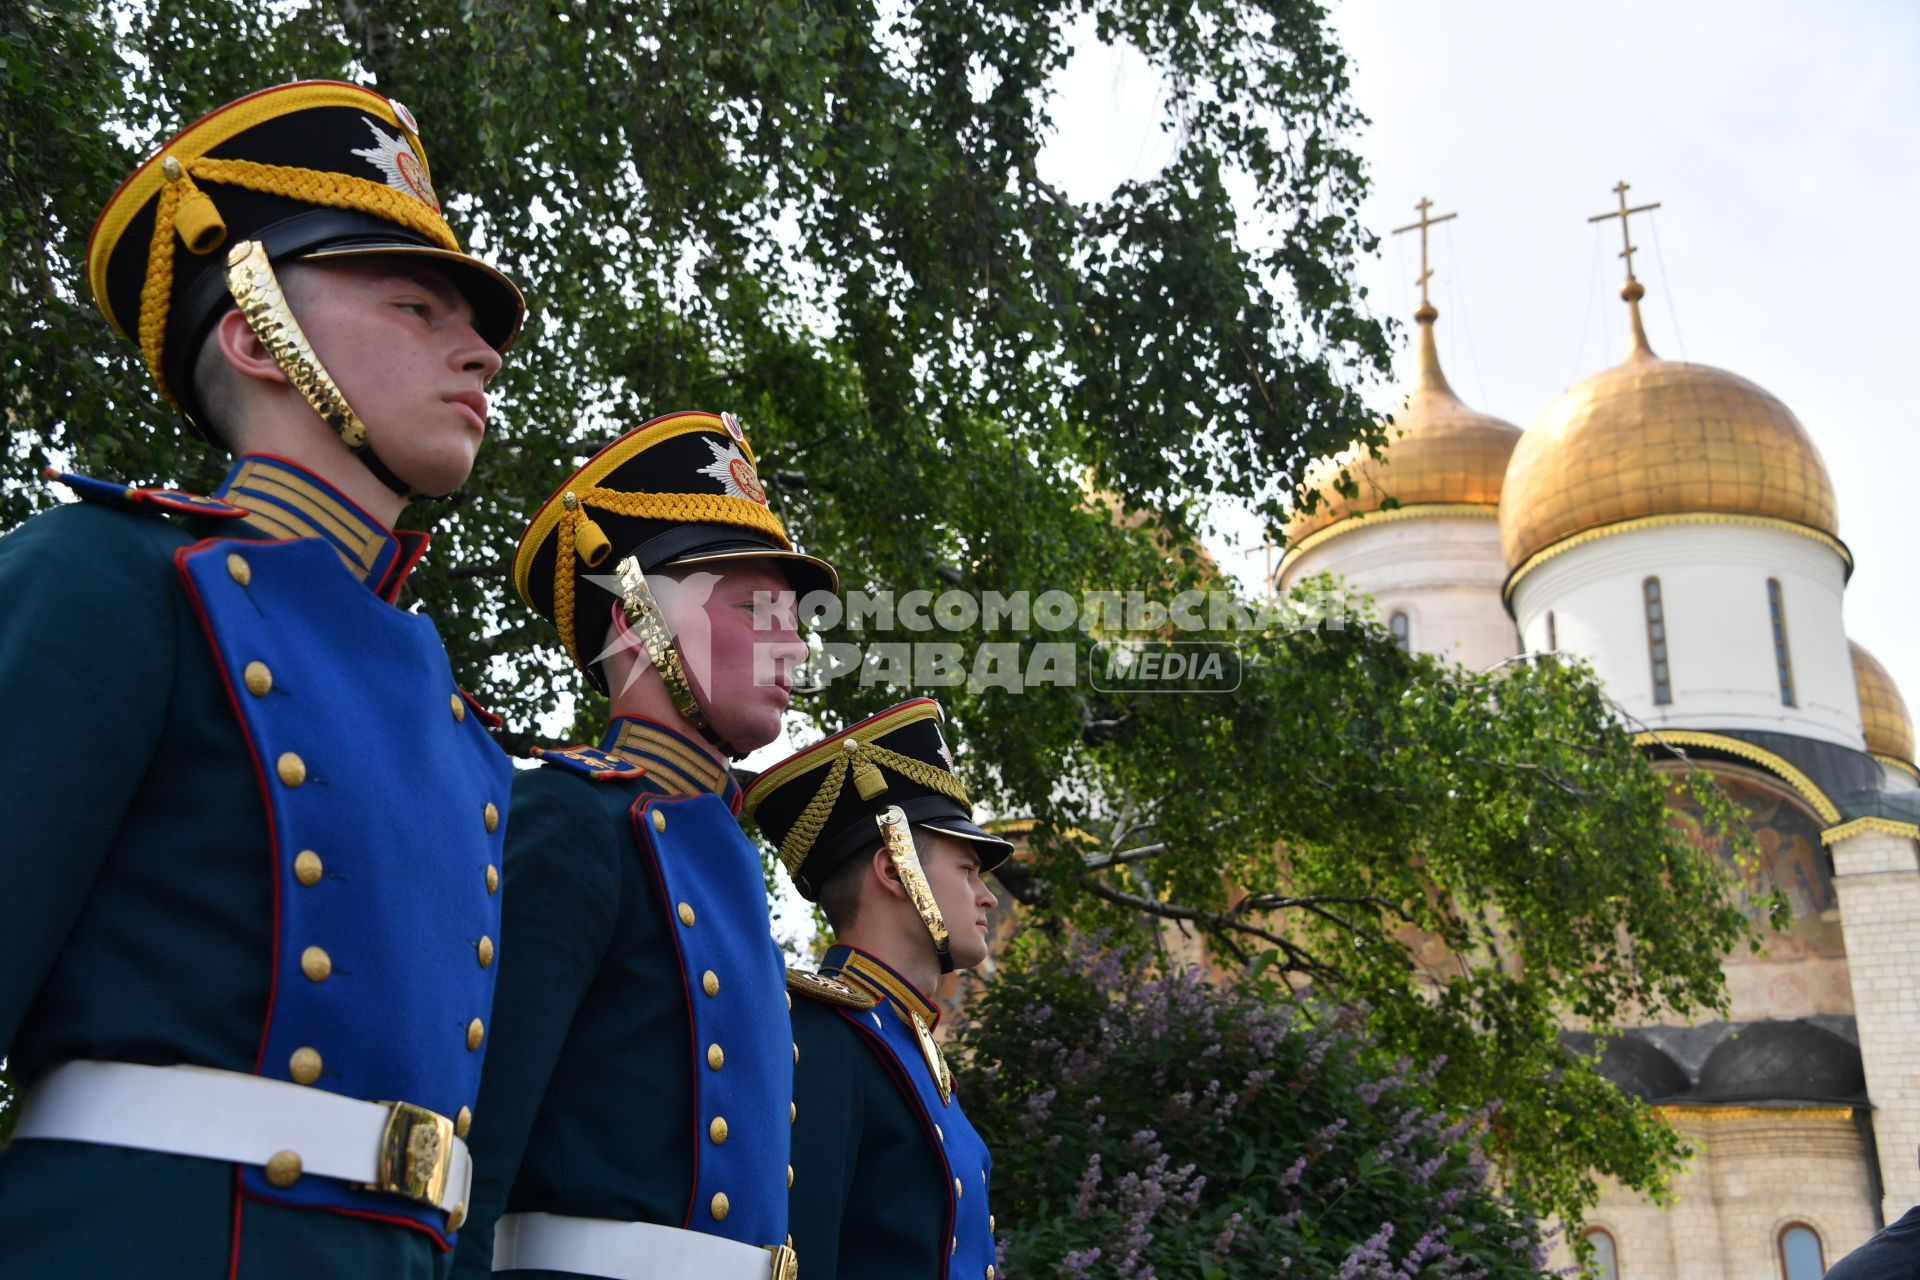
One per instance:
(416, 1151)
(786, 1263)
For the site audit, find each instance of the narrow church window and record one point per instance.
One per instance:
(1657, 643)
(1553, 634)
(1401, 631)
(1606, 1259)
(1777, 609)
(1801, 1256)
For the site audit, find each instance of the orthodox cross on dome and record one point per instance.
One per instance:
(1269, 546)
(1421, 226)
(1430, 377)
(1632, 290)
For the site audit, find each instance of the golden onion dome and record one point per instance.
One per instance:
(1654, 438)
(1883, 712)
(1441, 453)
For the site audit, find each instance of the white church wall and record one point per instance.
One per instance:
(1774, 1168)
(1878, 880)
(1754, 1172)
(1443, 572)
(1719, 631)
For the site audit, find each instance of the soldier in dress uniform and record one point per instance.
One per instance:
(253, 827)
(635, 1114)
(890, 1181)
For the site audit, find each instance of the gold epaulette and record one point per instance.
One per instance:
(827, 990)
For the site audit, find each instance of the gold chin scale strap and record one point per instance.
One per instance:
(256, 290)
(898, 837)
(649, 623)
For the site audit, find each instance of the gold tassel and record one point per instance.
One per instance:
(590, 541)
(199, 223)
(867, 778)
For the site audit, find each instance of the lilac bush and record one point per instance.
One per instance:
(1148, 1125)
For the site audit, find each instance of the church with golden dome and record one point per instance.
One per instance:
(1673, 526)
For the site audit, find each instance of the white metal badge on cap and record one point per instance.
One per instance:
(397, 164)
(735, 474)
(405, 117)
(731, 421)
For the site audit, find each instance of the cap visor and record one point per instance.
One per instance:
(807, 573)
(993, 850)
(498, 305)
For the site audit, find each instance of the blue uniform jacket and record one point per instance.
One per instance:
(251, 823)
(890, 1180)
(644, 1064)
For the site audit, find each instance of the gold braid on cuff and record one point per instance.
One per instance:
(256, 290)
(898, 837)
(649, 622)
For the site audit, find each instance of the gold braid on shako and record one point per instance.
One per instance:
(674, 493)
(581, 537)
(862, 760)
(188, 216)
(903, 777)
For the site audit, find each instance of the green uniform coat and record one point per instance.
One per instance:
(137, 917)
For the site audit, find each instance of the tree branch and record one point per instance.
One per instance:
(1528, 766)
(1277, 902)
(1222, 927)
(1017, 878)
(1139, 853)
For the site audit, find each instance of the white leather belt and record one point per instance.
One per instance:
(630, 1250)
(288, 1129)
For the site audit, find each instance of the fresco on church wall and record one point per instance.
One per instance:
(1804, 968)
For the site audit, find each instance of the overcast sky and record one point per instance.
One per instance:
(1780, 140)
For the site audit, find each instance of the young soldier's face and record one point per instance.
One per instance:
(952, 866)
(738, 634)
(399, 340)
